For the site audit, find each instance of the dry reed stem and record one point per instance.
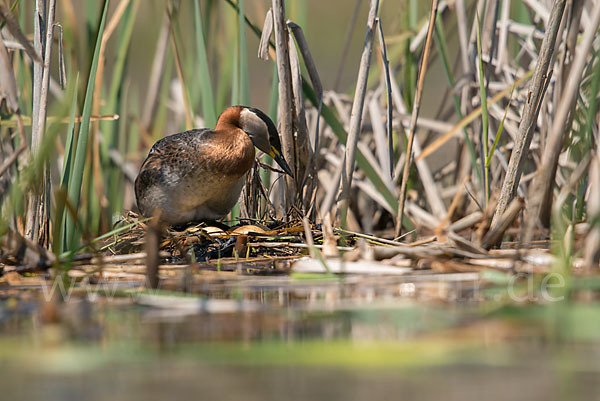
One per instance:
(461, 16)
(152, 246)
(265, 37)
(488, 34)
(541, 196)
(39, 19)
(285, 102)
(357, 109)
(26, 120)
(39, 122)
(453, 205)
(331, 190)
(494, 236)
(421, 217)
(8, 85)
(309, 62)
(310, 172)
(413, 122)
(303, 150)
(369, 189)
(503, 36)
(189, 119)
(156, 75)
(62, 70)
(309, 237)
(425, 123)
(390, 108)
(465, 244)
(530, 113)
(381, 144)
(466, 222)
(572, 37)
(432, 193)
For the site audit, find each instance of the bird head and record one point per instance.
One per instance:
(263, 133)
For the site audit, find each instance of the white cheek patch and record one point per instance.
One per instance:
(252, 123)
(256, 128)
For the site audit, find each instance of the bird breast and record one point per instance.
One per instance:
(194, 175)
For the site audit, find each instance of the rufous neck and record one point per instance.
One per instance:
(230, 118)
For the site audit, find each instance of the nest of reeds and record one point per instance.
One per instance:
(203, 242)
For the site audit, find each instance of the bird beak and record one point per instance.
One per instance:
(274, 153)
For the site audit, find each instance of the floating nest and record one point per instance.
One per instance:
(205, 242)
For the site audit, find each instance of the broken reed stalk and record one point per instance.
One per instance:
(152, 245)
(357, 109)
(541, 195)
(309, 237)
(414, 116)
(285, 96)
(265, 39)
(530, 113)
(309, 62)
(39, 120)
(494, 236)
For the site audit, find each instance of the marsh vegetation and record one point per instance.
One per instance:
(443, 215)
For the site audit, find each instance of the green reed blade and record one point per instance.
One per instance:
(498, 134)
(484, 113)
(208, 103)
(75, 182)
(112, 129)
(67, 169)
(109, 128)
